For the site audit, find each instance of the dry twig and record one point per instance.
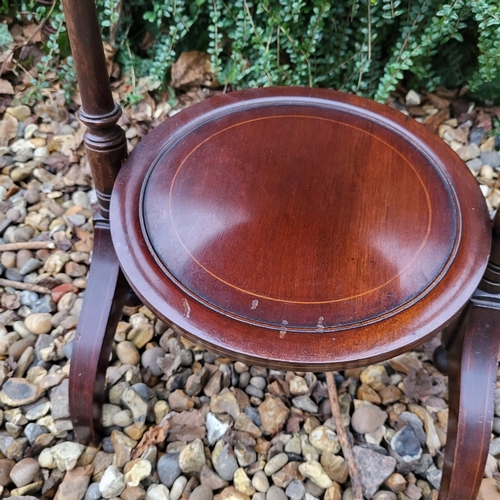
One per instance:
(27, 245)
(19, 285)
(344, 440)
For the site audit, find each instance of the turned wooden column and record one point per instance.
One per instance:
(491, 281)
(104, 139)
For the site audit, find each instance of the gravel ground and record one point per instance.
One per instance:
(181, 422)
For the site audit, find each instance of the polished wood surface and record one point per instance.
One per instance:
(472, 371)
(104, 139)
(300, 228)
(293, 228)
(104, 299)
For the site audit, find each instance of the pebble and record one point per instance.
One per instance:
(305, 403)
(491, 158)
(385, 495)
(178, 488)
(469, 152)
(128, 353)
(157, 492)
(225, 402)
(273, 414)
(314, 471)
(136, 471)
(276, 463)
(406, 444)
(6, 466)
(39, 323)
(373, 468)
(202, 492)
(275, 493)
(93, 492)
(25, 472)
(243, 483)
(215, 428)
(295, 490)
(66, 455)
(335, 466)
(367, 418)
(224, 460)
(192, 457)
(149, 359)
(260, 481)
(169, 469)
(413, 99)
(324, 439)
(18, 392)
(112, 483)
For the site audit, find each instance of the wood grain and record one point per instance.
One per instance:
(299, 228)
(472, 371)
(104, 297)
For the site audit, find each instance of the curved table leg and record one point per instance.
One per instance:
(104, 297)
(472, 371)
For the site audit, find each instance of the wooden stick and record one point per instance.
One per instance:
(344, 440)
(19, 285)
(27, 245)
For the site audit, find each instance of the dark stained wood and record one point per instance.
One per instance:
(472, 370)
(105, 141)
(299, 228)
(491, 280)
(295, 228)
(104, 298)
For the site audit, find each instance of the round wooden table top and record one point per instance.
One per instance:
(299, 228)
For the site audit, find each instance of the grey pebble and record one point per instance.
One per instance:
(275, 493)
(149, 359)
(491, 158)
(296, 490)
(305, 403)
(168, 468)
(107, 445)
(202, 492)
(254, 391)
(13, 274)
(406, 444)
(44, 305)
(434, 475)
(259, 382)
(32, 431)
(93, 492)
(226, 464)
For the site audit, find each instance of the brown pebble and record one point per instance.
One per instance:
(128, 353)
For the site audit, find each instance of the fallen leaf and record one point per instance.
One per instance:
(418, 385)
(193, 69)
(187, 426)
(152, 436)
(32, 33)
(438, 102)
(6, 87)
(8, 129)
(484, 120)
(433, 122)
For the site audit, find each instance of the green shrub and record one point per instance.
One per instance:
(361, 46)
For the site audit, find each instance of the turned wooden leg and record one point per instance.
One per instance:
(104, 297)
(472, 371)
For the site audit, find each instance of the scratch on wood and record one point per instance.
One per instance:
(187, 308)
(283, 330)
(320, 326)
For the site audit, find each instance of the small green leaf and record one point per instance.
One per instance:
(5, 36)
